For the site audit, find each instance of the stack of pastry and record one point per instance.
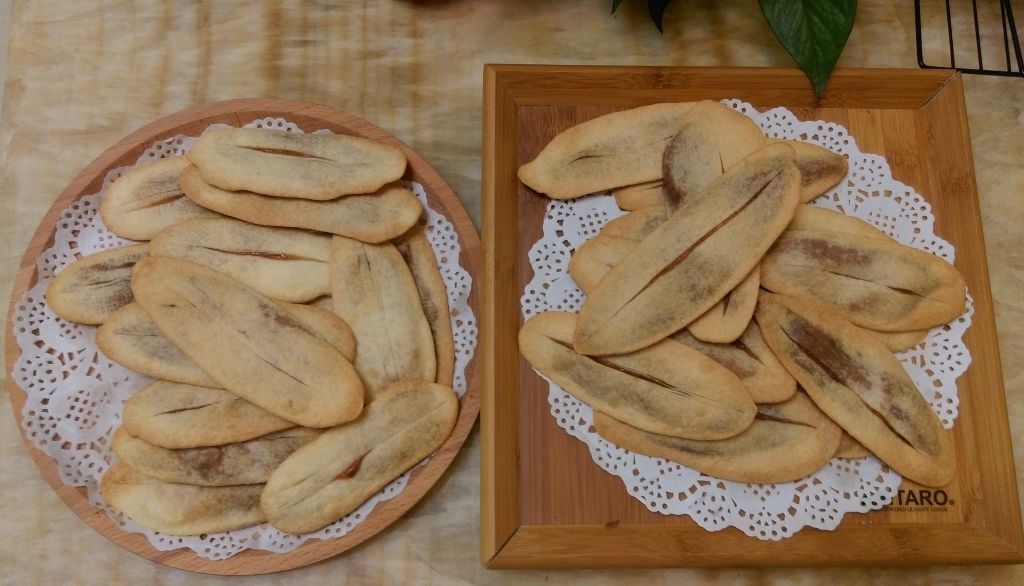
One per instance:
(730, 326)
(290, 307)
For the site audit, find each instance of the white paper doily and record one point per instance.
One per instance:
(765, 511)
(75, 395)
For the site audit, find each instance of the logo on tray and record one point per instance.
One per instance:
(921, 499)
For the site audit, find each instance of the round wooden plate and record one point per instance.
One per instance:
(192, 122)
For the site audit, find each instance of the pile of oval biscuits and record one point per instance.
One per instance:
(290, 307)
(729, 326)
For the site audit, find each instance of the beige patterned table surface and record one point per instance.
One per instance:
(82, 74)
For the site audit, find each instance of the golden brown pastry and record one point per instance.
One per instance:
(727, 319)
(667, 388)
(374, 217)
(147, 199)
(642, 195)
(787, 441)
(374, 292)
(820, 168)
(860, 385)
(621, 148)
(132, 339)
(179, 416)
(712, 139)
(282, 263)
(330, 477)
(419, 256)
(93, 287)
(875, 283)
(703, 251)
(180, 509)
(296, 165)
(248, 462)
(751, 360)
(248, 343)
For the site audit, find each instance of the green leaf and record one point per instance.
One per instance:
(813, 31)
(615, 5)
(657, 10)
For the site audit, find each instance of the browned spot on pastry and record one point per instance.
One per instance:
(352, 469)
(739, 345)
(625, 370)
(825, 353)
(828, 251)
(205, 461)
(737, 367)
(812, 171)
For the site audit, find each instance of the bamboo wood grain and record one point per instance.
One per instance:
(309, 117)
(545, 502)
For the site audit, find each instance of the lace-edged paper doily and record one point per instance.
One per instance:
(765, 511)
(75, 394)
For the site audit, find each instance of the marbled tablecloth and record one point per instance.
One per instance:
(83, 74)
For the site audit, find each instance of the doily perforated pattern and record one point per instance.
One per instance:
(764, 511)
(75, 395)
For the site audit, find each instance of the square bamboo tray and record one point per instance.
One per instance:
(544, 501)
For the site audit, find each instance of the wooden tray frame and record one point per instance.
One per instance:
(988, 529)
(191, 122)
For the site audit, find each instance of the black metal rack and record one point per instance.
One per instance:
(1010, 40)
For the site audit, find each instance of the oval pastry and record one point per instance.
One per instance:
(787, 441)
(295, 165)
(131, 338)
(93, 287)
(751, 360)
(248, 343)
(373, 217)
(374, 292)
(330, 477)
(621, 148)
(689, 263)
(178, 416)
(667, 388)
(873, 282)
(180, 509)
(248, 462)
(147, 199)
(856, 381)
(282, 263)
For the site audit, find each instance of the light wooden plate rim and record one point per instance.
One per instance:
(309, 117)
